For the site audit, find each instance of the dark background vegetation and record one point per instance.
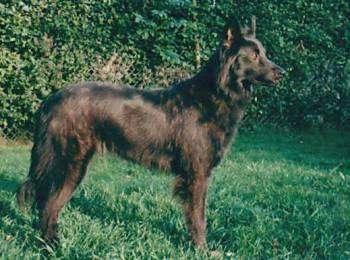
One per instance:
(45, 45)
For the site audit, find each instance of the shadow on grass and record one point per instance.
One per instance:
(125, 213)
(9, 184)
(14, 224)
(7, 211)
(17, 224)
(323, 150)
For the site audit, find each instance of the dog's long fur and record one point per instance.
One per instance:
(184, 129)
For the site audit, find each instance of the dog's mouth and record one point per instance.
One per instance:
(274, 82)
(269, 82)
(249, 83)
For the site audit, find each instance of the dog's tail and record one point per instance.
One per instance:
(42, 162)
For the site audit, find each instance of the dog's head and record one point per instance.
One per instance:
(245, 57)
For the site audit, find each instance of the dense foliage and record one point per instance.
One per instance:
(45, 45)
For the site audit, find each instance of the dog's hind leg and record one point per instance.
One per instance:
(73, 172)
(193, 196)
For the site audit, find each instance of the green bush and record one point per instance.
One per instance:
(44, 46)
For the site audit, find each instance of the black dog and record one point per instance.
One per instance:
(184, 129)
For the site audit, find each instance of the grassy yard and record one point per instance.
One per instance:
(276, 194)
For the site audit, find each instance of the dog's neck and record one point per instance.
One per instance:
(217, 92)
(216, 79)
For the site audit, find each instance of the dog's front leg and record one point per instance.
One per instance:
(194, 209)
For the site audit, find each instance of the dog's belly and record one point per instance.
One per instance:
(143, 147)
(150, 158)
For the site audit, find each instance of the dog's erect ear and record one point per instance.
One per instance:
(232, 33)
(252, 28)
(250, 31)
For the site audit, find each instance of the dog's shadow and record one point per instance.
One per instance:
(8, 184)
(97, 206)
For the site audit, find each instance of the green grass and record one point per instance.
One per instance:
(277, 194)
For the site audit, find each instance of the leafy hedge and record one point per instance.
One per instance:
(44, 46)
